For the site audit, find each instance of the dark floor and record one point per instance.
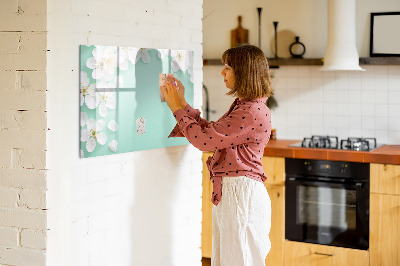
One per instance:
(206, 261)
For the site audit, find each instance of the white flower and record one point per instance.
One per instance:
(81, 153)
(84, 119)
(91, 135)
(104, 65)
(113, 145)
(106, 100)
(163, 53)
(113, 126)
(181, 60)
(144, 54)
(127, 54)
(87, 94)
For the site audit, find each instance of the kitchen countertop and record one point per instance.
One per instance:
(389, 154)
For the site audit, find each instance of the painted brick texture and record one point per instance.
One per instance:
(23, 125)
(139, 208)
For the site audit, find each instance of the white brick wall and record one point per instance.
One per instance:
(139, 208)
(23, 126)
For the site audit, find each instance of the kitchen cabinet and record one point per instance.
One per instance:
(385, 178)
(385, 215)
(274, 168)
(206, 225)
(305, 254)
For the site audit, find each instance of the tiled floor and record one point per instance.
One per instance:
(206, 261)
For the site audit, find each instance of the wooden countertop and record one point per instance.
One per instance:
(389, 154)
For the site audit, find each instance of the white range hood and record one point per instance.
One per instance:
(341, 51)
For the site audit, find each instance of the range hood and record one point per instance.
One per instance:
(341, 51)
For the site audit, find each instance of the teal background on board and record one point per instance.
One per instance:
(142, 100)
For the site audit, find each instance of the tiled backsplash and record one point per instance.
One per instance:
(314, 102)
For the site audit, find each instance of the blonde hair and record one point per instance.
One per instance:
(250, 66)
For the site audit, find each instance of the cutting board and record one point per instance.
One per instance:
(239, 35)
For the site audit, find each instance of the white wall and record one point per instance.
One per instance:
(306, 19)
(311, 102)
(140, 208)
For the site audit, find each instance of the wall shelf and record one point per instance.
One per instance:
(274, 63)
(380, 61)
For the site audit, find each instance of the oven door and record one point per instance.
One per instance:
(327, 213)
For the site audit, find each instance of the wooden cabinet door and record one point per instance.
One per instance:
(206, 225)
(385, 178)
(304, 254)
(274, 168)
(277, 233)
(384, 236)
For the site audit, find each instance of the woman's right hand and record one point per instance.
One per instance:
(181, 91)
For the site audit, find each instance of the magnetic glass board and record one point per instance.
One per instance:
(121, 106)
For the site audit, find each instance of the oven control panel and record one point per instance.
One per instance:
(336, 169)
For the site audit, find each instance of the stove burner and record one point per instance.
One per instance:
(332, 142)
(328, 142)
(358, 144)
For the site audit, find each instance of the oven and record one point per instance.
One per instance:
(327, 202)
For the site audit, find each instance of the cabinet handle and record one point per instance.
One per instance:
(324, 254)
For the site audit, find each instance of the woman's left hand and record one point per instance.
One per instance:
(171, 95)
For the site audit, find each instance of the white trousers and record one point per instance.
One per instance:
(241, 223)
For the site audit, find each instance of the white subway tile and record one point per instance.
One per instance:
(342, 133)
(328, 74)
(394, 137)
(394, 97)
(368, 123)
(381, 97)
(355, 132)
(394, 110)
(317, 83)
(367, 133)
(342, 109)
(394, 83)
(380, 71)
(303, 82)
(292, 83)
(382, 110)
(291, 71)
(394, 70)
(367, 110)
(382, 123)
(329, 123)
(380, 84)
(355, 96)
(394, 123)
(329, 109)
(382, 136)
(342, 122)
(342, 80)
(355, 122)
(367, 96)
(304, 72)
(329, 94)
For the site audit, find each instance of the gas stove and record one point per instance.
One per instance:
(332, 142)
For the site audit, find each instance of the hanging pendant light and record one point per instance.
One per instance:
(341, 51)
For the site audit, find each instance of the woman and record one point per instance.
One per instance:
(242, 208)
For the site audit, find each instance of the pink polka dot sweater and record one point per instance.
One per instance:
(238, 139)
